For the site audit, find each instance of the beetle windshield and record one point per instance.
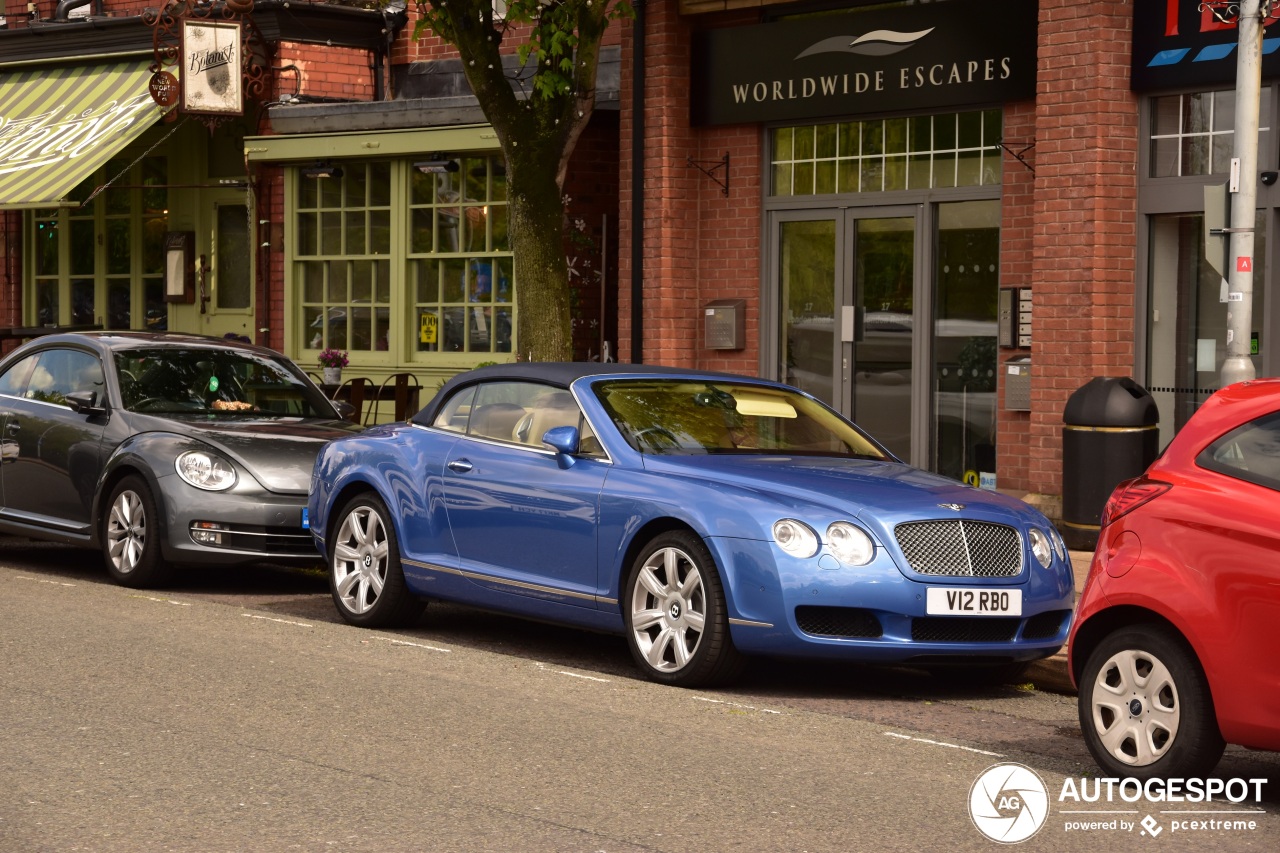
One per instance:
(681, 416)
(235, 383)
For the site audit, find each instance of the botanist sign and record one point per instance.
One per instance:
(211, 68)
(935, 56)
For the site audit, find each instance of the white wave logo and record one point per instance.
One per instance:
(874, 43)
(1008, 803)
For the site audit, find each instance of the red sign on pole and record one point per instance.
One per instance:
(1244, 264)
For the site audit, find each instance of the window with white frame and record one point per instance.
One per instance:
(1193, 133)
(883, 155)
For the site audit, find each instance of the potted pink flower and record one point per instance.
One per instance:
(331, 363)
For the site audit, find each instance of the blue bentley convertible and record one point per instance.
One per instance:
(705, 517)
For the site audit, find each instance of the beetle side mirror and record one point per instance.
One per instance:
(85, 403)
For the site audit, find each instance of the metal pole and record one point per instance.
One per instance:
(1238, 365)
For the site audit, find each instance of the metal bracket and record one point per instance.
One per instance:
(710, 167)
(1017, 155)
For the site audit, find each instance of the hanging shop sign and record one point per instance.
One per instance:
(927, 57)
(207, 58)
(211, 59)
(1178, 44)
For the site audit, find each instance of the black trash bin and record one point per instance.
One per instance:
(1111, 434)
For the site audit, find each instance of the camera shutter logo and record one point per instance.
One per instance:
(1008, 803)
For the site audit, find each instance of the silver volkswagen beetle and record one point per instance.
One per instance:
(160, 449)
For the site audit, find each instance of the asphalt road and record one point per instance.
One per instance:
(235, 711)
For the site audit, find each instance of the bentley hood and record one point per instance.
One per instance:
(888, 491)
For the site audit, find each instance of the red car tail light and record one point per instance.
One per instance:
(1130, 495)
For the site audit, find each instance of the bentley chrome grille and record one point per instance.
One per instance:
(960, 548)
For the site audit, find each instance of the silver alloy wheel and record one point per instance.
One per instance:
(1134, 706)
(127, 531)
(360, 559)
(668, 609)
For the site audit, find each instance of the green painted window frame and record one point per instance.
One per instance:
(364, 244)
(111, 250)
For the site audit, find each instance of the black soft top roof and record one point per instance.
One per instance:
(561, 374)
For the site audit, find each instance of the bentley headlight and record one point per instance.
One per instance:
(206, 470)
(851, 545)
(1041, 548)
(1059, 544)
(795, 537)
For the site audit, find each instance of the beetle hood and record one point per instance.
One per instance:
(278, 453)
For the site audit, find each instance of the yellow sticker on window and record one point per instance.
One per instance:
(428, 325)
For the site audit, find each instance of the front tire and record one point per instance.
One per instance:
(1145, 707)
(131, 536)
(677, 624)
(365, 575)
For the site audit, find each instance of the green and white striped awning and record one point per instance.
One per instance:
(59, 124)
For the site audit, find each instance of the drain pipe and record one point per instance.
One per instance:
(637, 188)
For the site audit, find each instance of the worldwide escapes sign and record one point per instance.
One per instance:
(928, 57)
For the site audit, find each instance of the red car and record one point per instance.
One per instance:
(1174, 647)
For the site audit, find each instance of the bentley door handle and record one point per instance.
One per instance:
(461, 466)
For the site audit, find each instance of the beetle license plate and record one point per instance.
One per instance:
(973, 602)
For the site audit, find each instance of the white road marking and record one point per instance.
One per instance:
(42, 580)
(543, 667)
(942, 743)
(396, 642)
(162, 600)
(281, 621)
(736, 705)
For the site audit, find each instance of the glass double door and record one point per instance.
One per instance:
(888, 314)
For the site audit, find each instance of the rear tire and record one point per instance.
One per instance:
(131, 536)
(677, 624)
(1145, 707)
(365, 576)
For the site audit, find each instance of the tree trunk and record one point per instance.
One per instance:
(543, 322)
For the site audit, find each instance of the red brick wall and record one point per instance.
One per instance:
(430, 46)
(1017, 269)
(699, 244)
(330, 72)
(1085, 215)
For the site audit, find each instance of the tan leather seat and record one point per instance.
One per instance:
(548, 411)
(495, 420)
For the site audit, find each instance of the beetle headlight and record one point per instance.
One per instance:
(850, 543)
(1041, 548)
(795, 537)
(206, 470)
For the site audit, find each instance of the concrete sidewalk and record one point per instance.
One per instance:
(1051, 673)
